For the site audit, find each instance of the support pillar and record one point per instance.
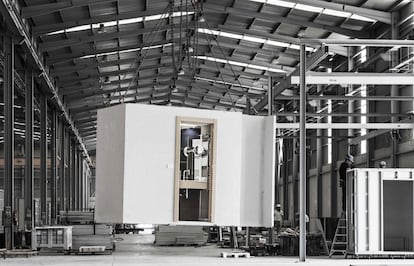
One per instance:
(73, 175)
(270, 95)
(67, 169)
(319, 162)
(8, 92)
(395, 108)
(302, 158)
(43, 157)
(62, 176)
(29, 147)
(53, 178)
(82, 185)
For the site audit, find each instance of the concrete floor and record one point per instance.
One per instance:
(138, 250)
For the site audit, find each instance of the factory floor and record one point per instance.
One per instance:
(139, 250)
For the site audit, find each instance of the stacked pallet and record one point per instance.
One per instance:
(92, 235)
(180, 235)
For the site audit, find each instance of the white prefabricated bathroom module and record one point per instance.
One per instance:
(176, 165)
(380, 211)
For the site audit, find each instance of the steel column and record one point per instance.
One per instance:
(43, 157)
(394, 90)
(8, 92)
(82, 185)
(77, 207)
(62, 175)
(319, 162)
(67, 170)
(53, 178)
(73, 175)
(270, 96)
(29, 146)
(302, 154)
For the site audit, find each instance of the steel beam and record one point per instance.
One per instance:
(43, 157)
(359, 42)
(8, 94)
(401, 125)
(29, 147)
(341, 78)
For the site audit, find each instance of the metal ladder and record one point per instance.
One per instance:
(340, 241)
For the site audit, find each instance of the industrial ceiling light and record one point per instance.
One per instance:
(301, 33)
(180, 72)
(201, 19)
(190, 49)
(173, 88)
(101, 28)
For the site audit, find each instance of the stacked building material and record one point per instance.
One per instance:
(180, 235)
(92, 235)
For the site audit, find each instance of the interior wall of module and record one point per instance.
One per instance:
(380, 210)
(136, 166)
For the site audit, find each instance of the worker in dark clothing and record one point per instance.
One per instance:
(345, 165)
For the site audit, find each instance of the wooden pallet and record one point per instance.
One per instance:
(235, 254)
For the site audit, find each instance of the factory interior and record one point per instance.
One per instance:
(194, 132)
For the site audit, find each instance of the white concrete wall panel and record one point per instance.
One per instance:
(148, 160)
(110, 165)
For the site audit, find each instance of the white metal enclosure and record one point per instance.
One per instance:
(135, 166)
(380, 211)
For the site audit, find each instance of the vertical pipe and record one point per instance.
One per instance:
(302, 159)
(8, 86)
(53, 178)
(43, 157)
(28, 190)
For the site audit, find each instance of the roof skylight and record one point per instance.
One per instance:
(241, 64)
(310, 8)
(252, 39)
(120, 22)
(229, 83)
(126, 51)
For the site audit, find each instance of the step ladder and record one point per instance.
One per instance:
(340, 241)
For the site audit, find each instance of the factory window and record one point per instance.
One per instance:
(194, 169)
